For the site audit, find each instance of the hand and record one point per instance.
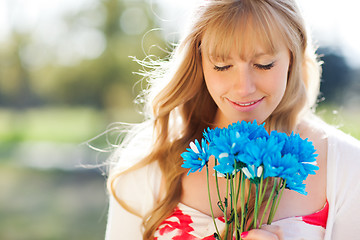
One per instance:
(267, 232)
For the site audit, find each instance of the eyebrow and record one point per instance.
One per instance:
(263, 54)
(254, 56)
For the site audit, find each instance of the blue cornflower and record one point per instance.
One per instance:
(230, 142)
(209, 134)
(225, 147)
(281, 136)
(296, 183)
(274, 163)
(294, 162)
(252, 129)
(196, 156)
(301, 147)
(252, 172)
(251, 158)
(247, 147)
(305, 152)
(255, 152)
(226, 144)
(226, 164)
(280, 166)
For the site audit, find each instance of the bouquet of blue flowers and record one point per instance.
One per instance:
(247, 151)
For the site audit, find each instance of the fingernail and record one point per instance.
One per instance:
(244, 234)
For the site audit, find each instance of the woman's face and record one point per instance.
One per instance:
(246, 89)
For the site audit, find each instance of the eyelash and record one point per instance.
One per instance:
(258, 66)
(264, 67)
(221, 69)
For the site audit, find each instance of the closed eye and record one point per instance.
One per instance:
(264, 67)
(220, 69)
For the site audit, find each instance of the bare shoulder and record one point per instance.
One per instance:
(314, 131)
(295, 204)
(319, 132)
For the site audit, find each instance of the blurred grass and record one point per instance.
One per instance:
(50, 124)
(49, 203)
(76, 125)
(53, 204)
(347, 120)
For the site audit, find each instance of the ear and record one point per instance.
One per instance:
(290, 64)
(199, 48)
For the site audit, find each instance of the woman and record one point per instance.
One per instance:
(240, 60)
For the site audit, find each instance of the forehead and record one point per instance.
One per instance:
(242, 33)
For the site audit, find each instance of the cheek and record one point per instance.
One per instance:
(215, 84)
(215, 81)
(275, 86)
(211, 87)
(280, 80)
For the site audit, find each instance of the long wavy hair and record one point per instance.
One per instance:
(178, 105)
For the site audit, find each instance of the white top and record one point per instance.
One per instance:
(140, 188)
(189, 223)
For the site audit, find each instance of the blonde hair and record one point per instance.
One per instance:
(179, 105)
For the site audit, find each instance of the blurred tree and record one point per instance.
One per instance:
(336, 76)
(89, 64)
(105, 34)
(352, 100)
(15, 87)
(91, 81)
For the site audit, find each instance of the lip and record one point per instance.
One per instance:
(245, 106)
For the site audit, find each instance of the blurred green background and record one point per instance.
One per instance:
(63, 82)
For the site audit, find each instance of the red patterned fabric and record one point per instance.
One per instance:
(179, 226)
(182, 226)
(179, 223)
(319, 218)
(187, 223)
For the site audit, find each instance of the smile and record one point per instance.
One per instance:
(248, 103)
(245, 106)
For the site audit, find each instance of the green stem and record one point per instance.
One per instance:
(225, 209)
(232, 212)
(246, 206)
(217, 187)
(233, 198)
(242, 202)
(211, 209)
(279, 198)
(237, 193)
(263, 191)
(256, 204)
(272, 212)
(268, 202)
(239, 187)
(261, 188)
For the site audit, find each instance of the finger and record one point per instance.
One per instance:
(259, 234)
(274, 229)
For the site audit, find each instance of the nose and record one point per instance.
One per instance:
(244, 82)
